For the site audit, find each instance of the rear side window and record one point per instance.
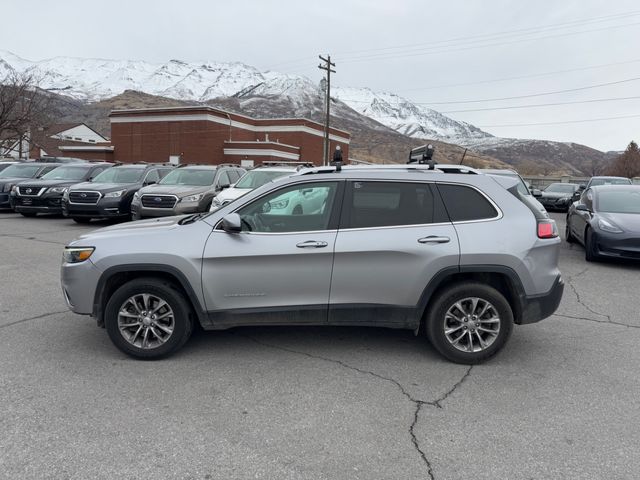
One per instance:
(384, 204)
(465, 203)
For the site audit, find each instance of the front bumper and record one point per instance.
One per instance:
(79, 282)
(138, 210)
(105, 208)
(4, 201)
(618, 245)
(47, 203)
(555, 204)
(539, 307)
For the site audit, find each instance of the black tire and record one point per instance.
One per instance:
(446, 298)
(568, 235)
(81, 219)
(28, 214)
(183, 324)
(590, 252)
(135, 216)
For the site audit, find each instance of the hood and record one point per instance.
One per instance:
(629, 222)
(49, 183)
(154, 225)
(556, 195)
(229, 194)
(4, 181)
(177, 190)
(101, 187)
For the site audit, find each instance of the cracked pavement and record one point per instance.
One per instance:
(294, 403)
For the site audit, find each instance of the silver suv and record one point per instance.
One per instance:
(459, 258)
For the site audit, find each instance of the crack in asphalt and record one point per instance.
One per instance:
(21, 236)
(579, 299)
(32, 318)
(418, 403)
(587, 319)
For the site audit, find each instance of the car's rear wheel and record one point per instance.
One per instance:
(81, 219)
(469, 322)
(148, 318)
(590, 249)
(567, 232)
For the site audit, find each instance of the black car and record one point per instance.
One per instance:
(44, 195)
(558, 196)
(19, 172)
(606, 220)
(109, 194)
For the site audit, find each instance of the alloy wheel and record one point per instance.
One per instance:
(471, 324)
(146, 321)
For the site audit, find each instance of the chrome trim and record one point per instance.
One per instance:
(159, 195)
(84, 191)
(42, 190)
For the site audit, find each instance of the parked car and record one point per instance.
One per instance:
(19, 172)
(606, 220)
(44, 195)
(529, 194)
(109, 194)
(600, 180)
(558, 196)
(187, 189)
(249, 181)
(48, 159)
(459, 257)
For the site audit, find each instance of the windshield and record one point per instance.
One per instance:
(561, 188)
(20, 171)
(257, 178)
(179, 176)
(620, 201)
(120, 175)
(610, 181)
(66, 173)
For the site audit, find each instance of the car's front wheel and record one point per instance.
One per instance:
(148, 318)
(590, 249)
(469, 322)
(81, 219)
(567, 232)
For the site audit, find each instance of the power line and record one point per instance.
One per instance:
(559, 123)
(543, 105)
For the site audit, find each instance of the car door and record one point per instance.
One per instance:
(394, 236)
(277, 270)
(581, 218)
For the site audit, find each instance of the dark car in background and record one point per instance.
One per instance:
(600, 180)
(188, 189)
(19, 172)
(109, 194)
(44, 195)
(606, 220)
(558, 196)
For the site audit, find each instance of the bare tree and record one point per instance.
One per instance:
(23, 105)
(628, 163)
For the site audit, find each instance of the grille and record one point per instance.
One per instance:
(30, 191)
(84, 197)
(159, 201)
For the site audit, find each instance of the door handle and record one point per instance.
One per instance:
(312, 244)
(434, 239)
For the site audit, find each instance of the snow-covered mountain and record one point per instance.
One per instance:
(405, 117)
(97, 79)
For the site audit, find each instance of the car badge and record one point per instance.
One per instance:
(83, 195)
(157, 199)
(28, 190)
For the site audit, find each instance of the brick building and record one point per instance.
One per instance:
(211, 136)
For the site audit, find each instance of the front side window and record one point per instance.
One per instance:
(383, 204)
(66, 173)
(298, 208)
(465, 203)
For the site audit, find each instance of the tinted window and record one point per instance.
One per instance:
(383, 204)
(20, 171)
(119, 175)
(465, 203)
(152, 177)
(619, 201)
(223, 179)
(294, 209)
(66, 173)
(164, 171)
(183, 176)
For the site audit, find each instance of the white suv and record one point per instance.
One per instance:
(249, 181)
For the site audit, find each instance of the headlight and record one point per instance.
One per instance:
(76, 254)
(58, 189)
(280, 204)
(114, 194)
(136, 195)
(7, 187)
(192, 198)
(607, 226)
(216, 201)
(14, 188)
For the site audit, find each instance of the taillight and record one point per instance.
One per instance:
(547, 229)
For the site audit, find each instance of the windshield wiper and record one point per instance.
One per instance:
(192, 218)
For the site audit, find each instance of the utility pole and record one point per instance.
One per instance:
(327, 67)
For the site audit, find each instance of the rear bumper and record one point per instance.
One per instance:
(539, 307)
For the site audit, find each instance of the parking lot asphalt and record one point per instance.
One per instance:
(560, 401)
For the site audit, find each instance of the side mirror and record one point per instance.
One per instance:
(150, 182)
(582, 186)
(232, 223)
(222, 186)
(535, 192)
(581, 207)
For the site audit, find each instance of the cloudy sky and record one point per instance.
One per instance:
(452, 55)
